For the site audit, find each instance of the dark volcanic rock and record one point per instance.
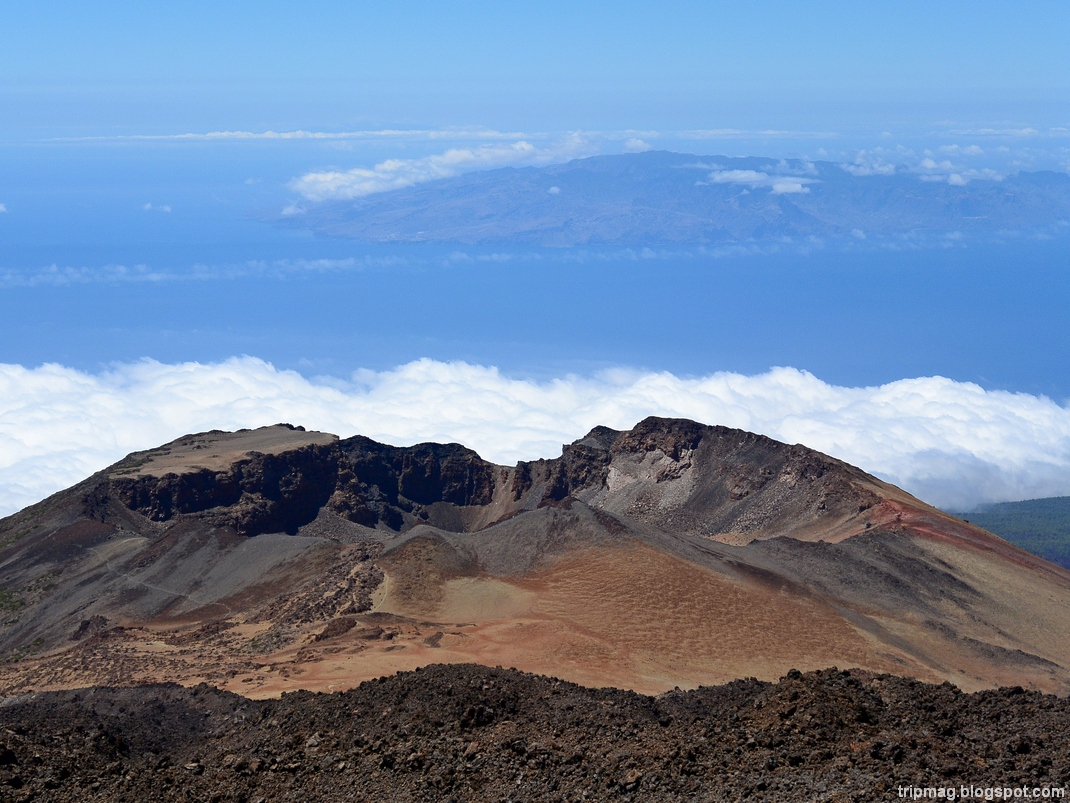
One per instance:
(425, 473)
(364, 481)
(259, 494)
(473, 733)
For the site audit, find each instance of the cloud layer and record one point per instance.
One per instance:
(378, 134)
(779, 185)
(61, 276)
(395, 174)
(953, 444)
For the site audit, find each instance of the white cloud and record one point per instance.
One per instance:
(393, 174)
(555, 190)
(379, 134)
(995, 132)
(739, 133)
(57, 276)
(969, 150)
(930, 164)
(870, 163)
(800, 167)
(752, 178)
(951, 443)
(738, 177)
(636, 145)
(3, 207)
(789, 185)
(931, 170)
(156, 207)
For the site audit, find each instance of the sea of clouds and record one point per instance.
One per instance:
(953, 444)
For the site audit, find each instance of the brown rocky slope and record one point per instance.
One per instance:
(672, 554)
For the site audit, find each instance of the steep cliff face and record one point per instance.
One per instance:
(711, 481)
(368, 483)
(260, 493)
(403, 486)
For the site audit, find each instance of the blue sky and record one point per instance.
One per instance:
(118, 66)
(132, 229)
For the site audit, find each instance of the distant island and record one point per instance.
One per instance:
(668, 198)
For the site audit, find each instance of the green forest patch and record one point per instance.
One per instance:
(1040, 526)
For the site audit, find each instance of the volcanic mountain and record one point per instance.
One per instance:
(672, 554)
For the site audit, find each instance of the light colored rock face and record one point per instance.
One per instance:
(651, 481)
(217, 451)
(671, 554)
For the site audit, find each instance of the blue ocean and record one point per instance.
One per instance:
(116, 251)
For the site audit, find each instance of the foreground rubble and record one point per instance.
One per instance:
(466, 732)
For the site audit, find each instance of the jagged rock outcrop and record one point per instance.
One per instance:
(260, 493)
(380, 483)
(363, 481)
(722, 480)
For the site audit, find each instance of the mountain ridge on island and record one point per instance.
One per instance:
(661, 198)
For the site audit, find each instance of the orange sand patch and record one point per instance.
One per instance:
(631, 617)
